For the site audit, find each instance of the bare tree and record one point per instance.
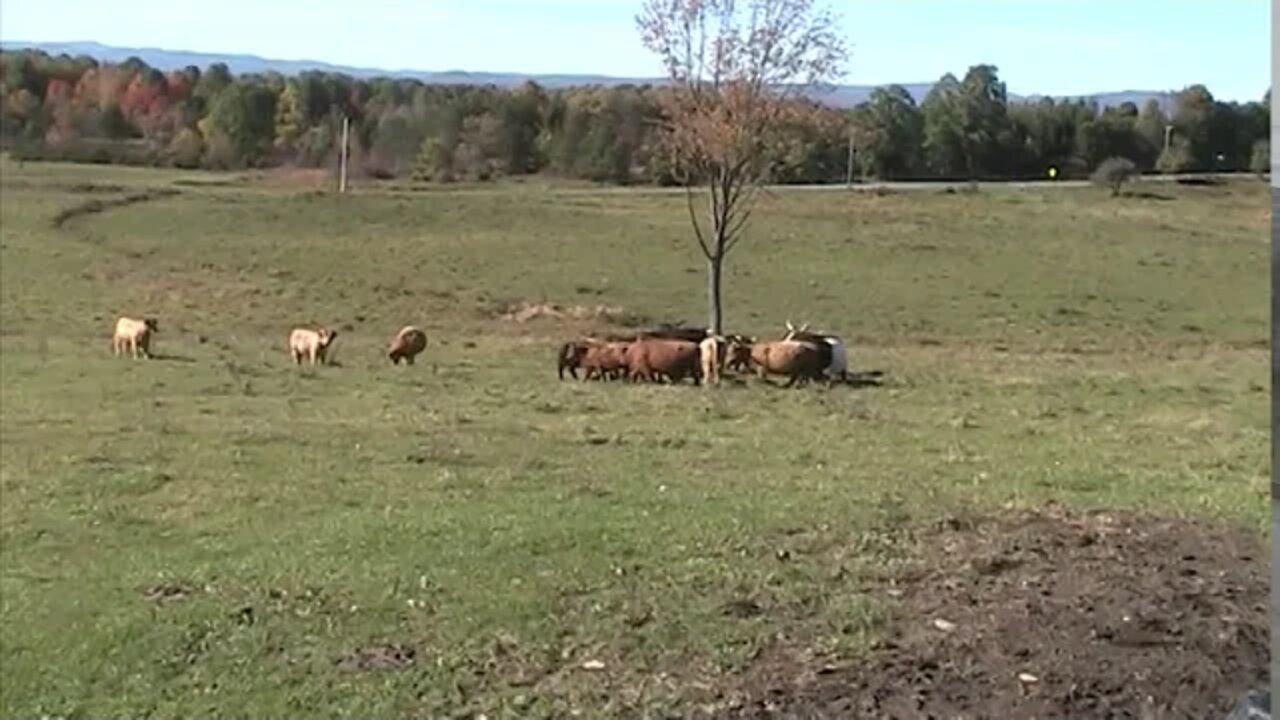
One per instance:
(734, 67)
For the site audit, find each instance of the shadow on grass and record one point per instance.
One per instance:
(866, 378)
(1147, 195)
(165, 357)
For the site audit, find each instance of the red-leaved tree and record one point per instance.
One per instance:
(734, 67)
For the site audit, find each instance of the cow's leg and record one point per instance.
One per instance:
(133, 347)
(408, 360)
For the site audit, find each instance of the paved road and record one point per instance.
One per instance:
(924, 185)
(938, 185)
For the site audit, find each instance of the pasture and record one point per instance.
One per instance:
(218, 530)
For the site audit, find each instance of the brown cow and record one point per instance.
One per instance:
(799, 360)
(832, 346)
(312, 344)
(605, 360)
(406, 345)
(652, 358)
(134, 335)
(601, 360)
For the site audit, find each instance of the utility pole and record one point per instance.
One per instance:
(342, 169)
(848, 175)
(1168, 132)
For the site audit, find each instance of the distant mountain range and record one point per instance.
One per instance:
(843, 96)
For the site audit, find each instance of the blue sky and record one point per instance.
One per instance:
(1041, 46)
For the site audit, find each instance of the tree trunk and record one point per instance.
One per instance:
(714, 308)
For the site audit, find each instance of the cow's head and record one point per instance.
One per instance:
(152, 324)
(738, 349)
(327, 336)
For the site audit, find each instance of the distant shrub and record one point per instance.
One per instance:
(102, 152)
(1174, 159)
(1260, 159)
(1113, 173)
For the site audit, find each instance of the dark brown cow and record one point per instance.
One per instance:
(651, 358)
(570, 358)
(670, 332)
(799, 360)
(738, 352)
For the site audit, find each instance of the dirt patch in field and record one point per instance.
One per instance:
(164, 592)
(90, 207)
(523, 312)
(1049, 614)
(378, 657)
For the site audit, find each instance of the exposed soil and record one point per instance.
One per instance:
(378, 657)
(91, 207)
(523, 312)
(1051, 615)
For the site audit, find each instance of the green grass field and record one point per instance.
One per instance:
(508, 528)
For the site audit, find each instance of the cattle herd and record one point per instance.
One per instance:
(312, 344)
(673, 354)
(667, 354)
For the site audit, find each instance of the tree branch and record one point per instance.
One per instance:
(697, 227)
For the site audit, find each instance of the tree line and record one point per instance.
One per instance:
(77, 109)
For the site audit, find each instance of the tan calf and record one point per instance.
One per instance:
(134, 335)
(711, 358)
(311, 344)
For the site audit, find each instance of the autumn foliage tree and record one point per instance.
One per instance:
(81, 110)
(733, 66)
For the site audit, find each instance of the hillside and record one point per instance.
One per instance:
(842, 96)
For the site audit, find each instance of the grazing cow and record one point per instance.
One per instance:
(711, 352)
(651, 358)
(599, 359)
(799, 360)
(605, 360)
(134, 335)
(406, 345)
(838, 367)
(570, 358)
(312, 344)
(737, 352)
